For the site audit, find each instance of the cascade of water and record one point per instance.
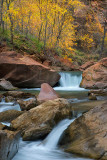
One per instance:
(52, 139)
(46, 150)
(70, 81)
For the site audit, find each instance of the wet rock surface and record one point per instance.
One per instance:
(87, 135)
(39, 121)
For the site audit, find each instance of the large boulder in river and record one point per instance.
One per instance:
(95, 77)
(46, 93)
(39, 121)
(23, 71)
(9, 143)
(6, 85)
(87, 135)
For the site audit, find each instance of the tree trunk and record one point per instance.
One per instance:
(45, 36)
(11, 21)
(104, 35)
(1, 15)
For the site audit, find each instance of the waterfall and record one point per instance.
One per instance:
(47, 149)
(56, 133)
(70, 81)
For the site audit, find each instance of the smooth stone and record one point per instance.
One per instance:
(46, 93)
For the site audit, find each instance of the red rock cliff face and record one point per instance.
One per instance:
(23, 71)
(95, 77)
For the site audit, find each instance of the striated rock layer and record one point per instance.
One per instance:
(23, 71)
(87, 135)
(95, 77)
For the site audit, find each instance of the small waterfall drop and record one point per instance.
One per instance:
(70, 81)
(47, 149)
(52, 139)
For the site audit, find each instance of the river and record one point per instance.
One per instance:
(48, 149)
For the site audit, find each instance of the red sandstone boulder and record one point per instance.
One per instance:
(95, 77)
(46, 93)
(23, 71)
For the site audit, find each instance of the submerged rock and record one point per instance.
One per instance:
(95, 77)
(39, 121)
(27, 105)
(24, 72)
(9, 115)
(92, 96)
(6, 85)
(87, 135)
(46, 93)
(9, 143)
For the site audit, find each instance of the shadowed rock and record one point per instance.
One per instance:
(9, 143)
(87, 135)
(24, 72)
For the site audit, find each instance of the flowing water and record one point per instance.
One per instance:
(46, 149)
(70, 81)
(4, 106)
